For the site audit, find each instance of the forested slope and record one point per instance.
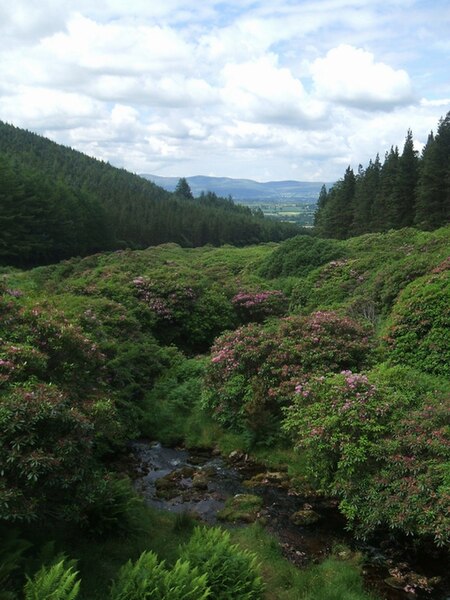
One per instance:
(57, 202)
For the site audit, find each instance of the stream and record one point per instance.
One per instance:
(200, 482)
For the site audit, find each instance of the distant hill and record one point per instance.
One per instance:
(246, 189)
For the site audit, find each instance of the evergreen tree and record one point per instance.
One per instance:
(336, 216)
(383, 213)
(366, 189)
(433, 190)
(406, 183)
(183, 190)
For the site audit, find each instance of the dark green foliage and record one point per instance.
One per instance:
(45, 452)
(336, 216)
(419, 332)
(12, 549)
(43, 220)
(433, 190)
(232, 573)
(298, 256)
(404, 191)
(183, 190)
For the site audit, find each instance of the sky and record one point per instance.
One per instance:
(259, 89)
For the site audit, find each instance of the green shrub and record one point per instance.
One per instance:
(419, 331)
(232, 573)
(45, 453)
(298, 256)
(57, 582)
(111, 506)
(149, 579)
(173, 399)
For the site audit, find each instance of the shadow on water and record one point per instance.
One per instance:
(200, 482)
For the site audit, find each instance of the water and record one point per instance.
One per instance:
(203, 482)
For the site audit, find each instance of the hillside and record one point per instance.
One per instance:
(53, 196)
(328, 357)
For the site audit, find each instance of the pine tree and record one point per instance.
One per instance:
(366, 189)
(183, 190)
(433, 190)
(383, 211)
(405, 184)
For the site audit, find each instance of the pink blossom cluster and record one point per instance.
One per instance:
(164, 302)
(249, 300)
(14, 293)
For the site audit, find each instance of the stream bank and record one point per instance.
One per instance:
(237, 490)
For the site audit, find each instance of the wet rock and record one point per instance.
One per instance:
(305, 516)
(242, 507)
(200, 480)
(236, 456)
(174, 483)
(268, 478)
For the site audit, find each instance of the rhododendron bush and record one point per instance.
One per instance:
(253, 370)
(381, 444)
(257, 306)
(55, 416)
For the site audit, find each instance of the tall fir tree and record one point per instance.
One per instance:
(383, 209)
(433, 190)
(406, 184)
(366, 189)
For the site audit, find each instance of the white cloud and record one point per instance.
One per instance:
(352, 76)
(119, 48)
(247, 88)
(49, 109)
(261, 91)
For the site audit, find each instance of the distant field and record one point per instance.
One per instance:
(294, 212)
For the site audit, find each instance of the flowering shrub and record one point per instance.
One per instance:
(166, 301)
(257, 306)
(332, 417)
(40, 342)
(253, 370)
(45, 449)
(190, 318)
(380, 445)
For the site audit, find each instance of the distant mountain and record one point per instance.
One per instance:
(246, 189)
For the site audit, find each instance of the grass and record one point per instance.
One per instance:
(333, 579)
(98, 561)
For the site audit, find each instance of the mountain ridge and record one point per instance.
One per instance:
(245, 189)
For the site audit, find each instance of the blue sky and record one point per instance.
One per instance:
(266, 90)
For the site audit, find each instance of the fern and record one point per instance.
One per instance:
(57, 582)
(232, 572)
(148, 579)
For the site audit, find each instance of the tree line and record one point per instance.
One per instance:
(406, 190)
(56, 203)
